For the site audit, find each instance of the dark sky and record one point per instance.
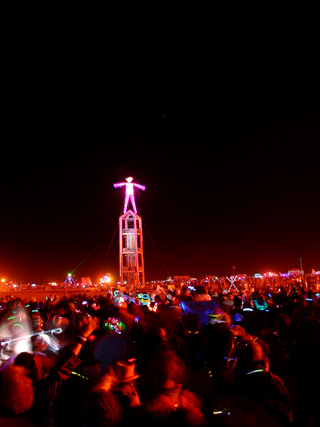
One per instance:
(229, 155)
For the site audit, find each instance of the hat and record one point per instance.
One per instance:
(57, 322)
(125, 371)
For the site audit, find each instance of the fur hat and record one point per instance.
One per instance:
(32, 365)
(16, 391)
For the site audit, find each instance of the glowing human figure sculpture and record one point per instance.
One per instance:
(129, 192)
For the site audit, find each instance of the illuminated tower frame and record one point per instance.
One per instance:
(131, 260)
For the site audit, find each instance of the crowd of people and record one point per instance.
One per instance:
(194, 356)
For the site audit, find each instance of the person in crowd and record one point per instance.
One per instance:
(194, 350)
(228, 304)
(102, 407)
(113, 399)
(185, 294)
(128, 318)
(22, 394)
(166, 395)
(278, 339)
(305, 354)
(218, 333)
(113, 345)
(171, 353)
(152, 342)
(201, 294)
(171, 320)
(257, 396)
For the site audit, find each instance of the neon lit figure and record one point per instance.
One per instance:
(129, 192)
(131, 259)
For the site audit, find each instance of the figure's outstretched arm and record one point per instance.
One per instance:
(141, 187)
(119, 184)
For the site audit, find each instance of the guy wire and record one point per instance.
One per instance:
(156, 248)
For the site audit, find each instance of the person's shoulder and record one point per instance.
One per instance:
(174, 308)
(277, 382)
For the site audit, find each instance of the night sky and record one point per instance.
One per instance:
(229, 155)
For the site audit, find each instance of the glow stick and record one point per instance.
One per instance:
(253, 372)
(57, 331)
(79, 375)
(51, 342)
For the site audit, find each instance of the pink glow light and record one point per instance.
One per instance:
(129, 192)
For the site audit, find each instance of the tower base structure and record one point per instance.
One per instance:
(131, 250)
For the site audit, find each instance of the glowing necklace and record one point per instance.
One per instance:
(253, 372)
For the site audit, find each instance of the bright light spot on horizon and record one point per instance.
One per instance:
(105, 279)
